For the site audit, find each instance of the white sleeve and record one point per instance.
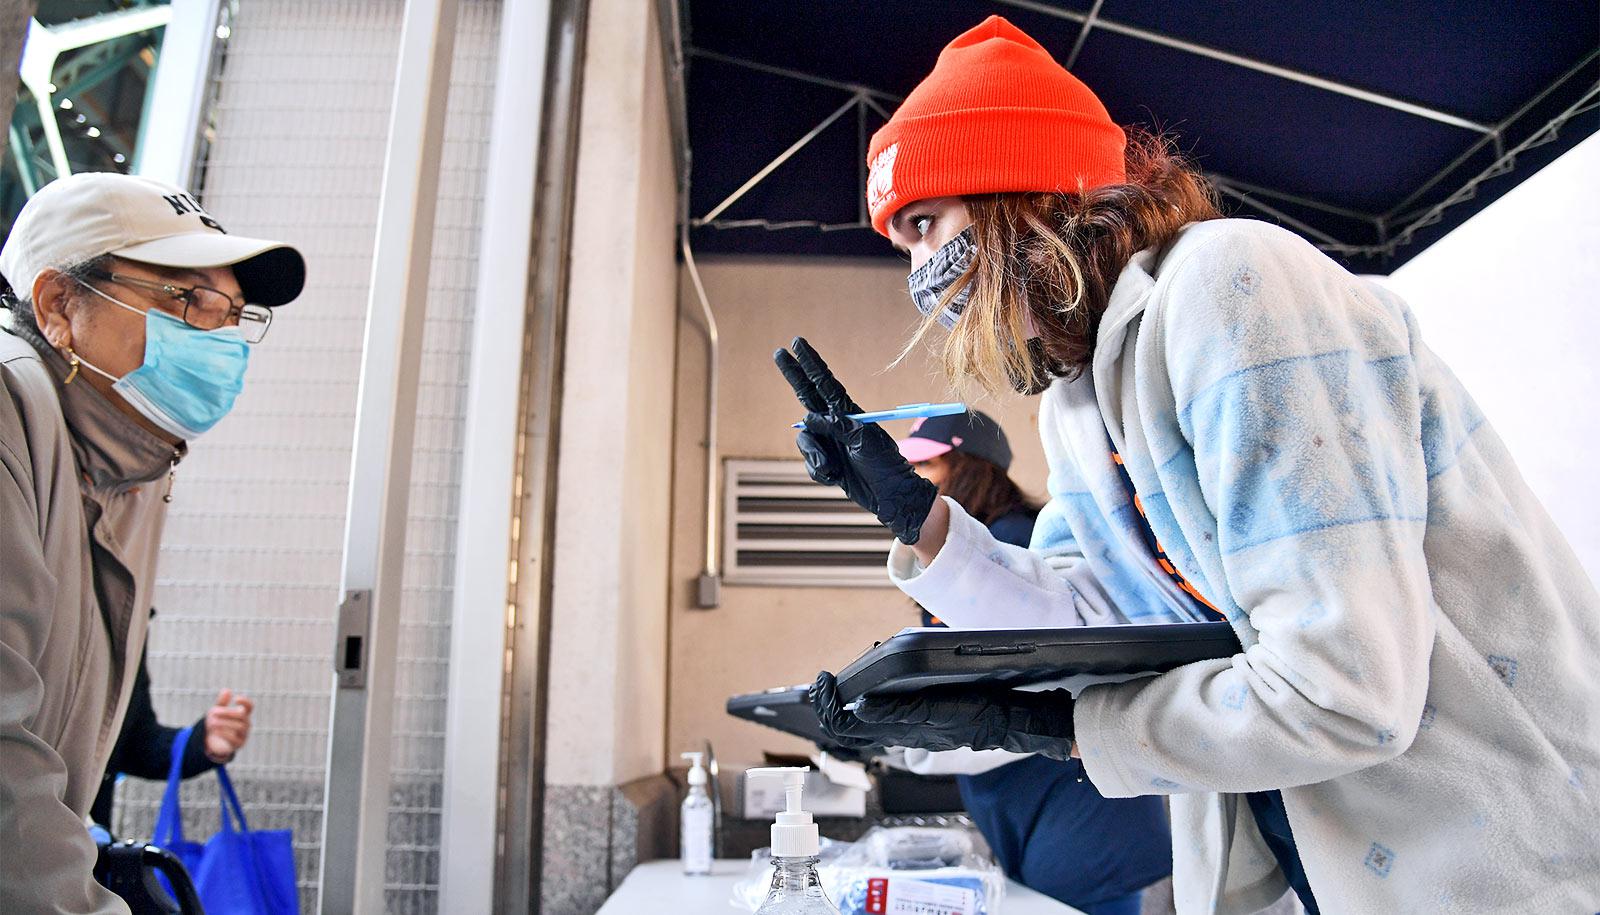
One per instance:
(963, 761)
(978, 582)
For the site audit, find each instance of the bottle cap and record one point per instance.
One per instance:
(697, 772)
(794, 835)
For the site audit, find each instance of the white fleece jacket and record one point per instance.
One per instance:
(1421, 665)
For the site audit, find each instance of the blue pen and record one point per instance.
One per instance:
(904, 411)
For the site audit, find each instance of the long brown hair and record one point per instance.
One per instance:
(986, 492)
(1054, 258)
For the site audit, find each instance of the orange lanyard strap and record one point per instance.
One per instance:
(1206, 607)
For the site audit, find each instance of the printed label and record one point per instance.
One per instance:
(696, 846)
(901, 896)
(880, 179)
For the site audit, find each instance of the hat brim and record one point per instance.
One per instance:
(916, 450)
(269, 272)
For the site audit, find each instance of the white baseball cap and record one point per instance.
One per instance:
(90, 214)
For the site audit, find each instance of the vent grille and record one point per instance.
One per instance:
(784, 529)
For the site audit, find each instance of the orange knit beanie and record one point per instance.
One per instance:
(997, 114)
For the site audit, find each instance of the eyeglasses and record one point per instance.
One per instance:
(205, 308)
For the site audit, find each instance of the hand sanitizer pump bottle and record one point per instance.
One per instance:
(796, 889)
(695, 820)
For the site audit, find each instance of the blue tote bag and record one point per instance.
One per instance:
(236, 871)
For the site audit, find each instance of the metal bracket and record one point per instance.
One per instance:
(350, 639)
(708, 591)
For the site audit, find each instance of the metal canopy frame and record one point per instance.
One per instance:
(862, 99)
(47, 43)
(1090, 21)
(859, 102)
(1390, 239)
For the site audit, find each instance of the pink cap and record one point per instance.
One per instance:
(916, 450)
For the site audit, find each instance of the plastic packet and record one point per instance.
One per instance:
(924, 870)
(900, 870)
(923, 847)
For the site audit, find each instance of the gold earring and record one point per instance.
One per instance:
(72, 360)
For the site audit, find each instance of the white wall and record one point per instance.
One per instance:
(1509, 300)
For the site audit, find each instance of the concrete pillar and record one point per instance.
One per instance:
(606, 722)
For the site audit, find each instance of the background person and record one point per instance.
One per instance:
(132, 315)
(1236, 428)
(1035, 812)
(969, 458)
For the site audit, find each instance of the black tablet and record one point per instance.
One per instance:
(786, 708)
(916, 659)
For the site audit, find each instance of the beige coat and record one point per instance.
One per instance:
(81, 510)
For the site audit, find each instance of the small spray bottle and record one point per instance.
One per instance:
(796, 888)
(696, 820)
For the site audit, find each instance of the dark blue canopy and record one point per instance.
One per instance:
(1370, 128)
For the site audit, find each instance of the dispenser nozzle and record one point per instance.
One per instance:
(795, 832)
(697, 772)
(794, 782)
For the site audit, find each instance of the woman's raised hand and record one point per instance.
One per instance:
(860, 458)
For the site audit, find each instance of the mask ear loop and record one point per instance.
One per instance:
(72, 357)
(76, 361)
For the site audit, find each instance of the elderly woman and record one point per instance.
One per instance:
(1237, 428)
(132, 316)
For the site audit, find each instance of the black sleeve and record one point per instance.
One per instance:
(144, 746)
(1015, 528)
(195, 760)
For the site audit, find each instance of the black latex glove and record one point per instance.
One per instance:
(950, 718)
(861, 459)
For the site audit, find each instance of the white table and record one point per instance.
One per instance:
(660, 887)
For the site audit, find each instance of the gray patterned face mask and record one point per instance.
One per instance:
(929, 282)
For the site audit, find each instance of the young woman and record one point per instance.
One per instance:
(1035, 812)
(1236, 428)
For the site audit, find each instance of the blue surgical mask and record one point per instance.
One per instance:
(929, 282)
(190, 377)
